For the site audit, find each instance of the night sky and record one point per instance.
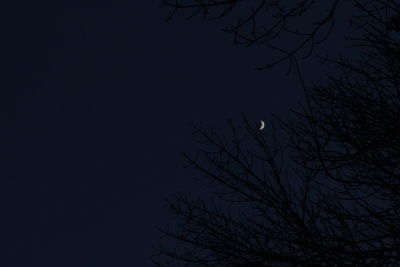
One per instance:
(96, 104)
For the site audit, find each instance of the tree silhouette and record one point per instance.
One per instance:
(327, 193)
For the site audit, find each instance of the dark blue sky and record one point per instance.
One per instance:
(96, 101)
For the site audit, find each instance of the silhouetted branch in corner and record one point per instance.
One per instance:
(285, 27)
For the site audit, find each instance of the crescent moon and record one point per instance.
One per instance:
(262, 125)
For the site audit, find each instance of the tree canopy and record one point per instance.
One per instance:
(327, 191)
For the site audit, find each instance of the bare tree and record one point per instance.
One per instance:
(326, 194)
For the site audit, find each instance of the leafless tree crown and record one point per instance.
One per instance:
(327, 193)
